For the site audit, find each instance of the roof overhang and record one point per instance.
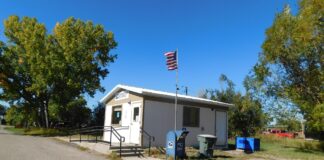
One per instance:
(163, 95)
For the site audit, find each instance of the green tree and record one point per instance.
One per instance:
(247, 116)
(287, 116)
(99, 115)
(75, 113)
(290, 65)
(2, 110)
(38, 68)
(19, 116)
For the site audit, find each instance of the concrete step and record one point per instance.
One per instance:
(126, 147)
(130, 155)
(128, 151)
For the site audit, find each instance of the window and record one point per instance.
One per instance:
(190, 117)
(116, 115)
(136, 114)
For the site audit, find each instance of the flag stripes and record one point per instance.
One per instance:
(171, 60)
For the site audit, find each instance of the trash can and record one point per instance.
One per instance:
(206, 143)
(175, 144)
(247, 143)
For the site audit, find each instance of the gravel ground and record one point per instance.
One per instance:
(18, 147)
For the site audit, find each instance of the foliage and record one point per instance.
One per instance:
(286, 116)
(75, 113)
(98, 115)
(2, 110)
(246, 117)
(38, 68)
(316, 121)
(19, 116)
(290, 65)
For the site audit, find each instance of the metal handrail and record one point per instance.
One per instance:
(97, 129)
(150, 138)
(87, 128)
(119, 137)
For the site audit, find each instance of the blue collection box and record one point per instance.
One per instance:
(175, 144)
(247, 143)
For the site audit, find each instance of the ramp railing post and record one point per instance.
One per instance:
(111, 130)
(149, 147)
(120, 148)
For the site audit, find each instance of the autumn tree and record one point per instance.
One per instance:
(290, 66)
(39, 68)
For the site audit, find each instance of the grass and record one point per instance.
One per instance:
(272, 147)
(83, 148)
(15, 130)
(294, 143)
(113, 156)
(36, 131)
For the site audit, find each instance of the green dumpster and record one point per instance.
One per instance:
(206, 143)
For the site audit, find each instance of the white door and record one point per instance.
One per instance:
(221, 128)
(135, 123)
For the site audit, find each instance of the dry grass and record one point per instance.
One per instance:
(114, 156)
(83, 148)
(272, 147)
(36, 131)
(311, 145)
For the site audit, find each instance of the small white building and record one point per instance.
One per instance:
(131, 109)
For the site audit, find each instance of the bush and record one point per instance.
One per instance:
(321, 145)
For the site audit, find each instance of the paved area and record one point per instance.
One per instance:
(17, 147)
(102, 148)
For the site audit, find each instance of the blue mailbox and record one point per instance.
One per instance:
(175, 144)
(247, 144)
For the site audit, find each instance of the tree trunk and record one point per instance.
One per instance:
(46, 113)
(41, 115)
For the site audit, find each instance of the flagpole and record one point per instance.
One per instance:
(176, 97)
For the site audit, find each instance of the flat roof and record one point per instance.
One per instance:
(161, 94)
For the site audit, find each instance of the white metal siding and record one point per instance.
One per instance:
(159, 119)
(108, 109)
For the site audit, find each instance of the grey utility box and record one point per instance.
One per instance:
(206, 143)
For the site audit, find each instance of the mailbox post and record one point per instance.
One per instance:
(175, 144)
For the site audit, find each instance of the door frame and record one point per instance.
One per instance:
(226, 132)
(132, 106)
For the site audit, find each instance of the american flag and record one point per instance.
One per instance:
(171, 60)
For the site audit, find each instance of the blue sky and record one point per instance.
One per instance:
(213, 37)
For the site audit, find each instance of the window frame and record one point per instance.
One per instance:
(134, 117)
(112, 115)
(195, 110)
